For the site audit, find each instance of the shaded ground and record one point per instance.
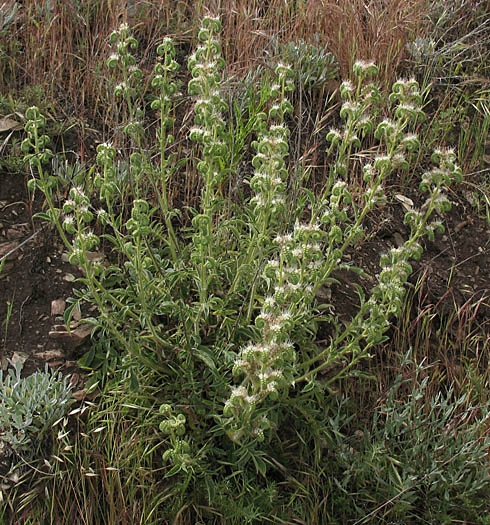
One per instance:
(455, 268)
(33, 276)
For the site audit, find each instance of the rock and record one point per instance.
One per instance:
(76, 314)
(50, 354)
(18, 231)
(8, 248)
(72, 339)
(19, 357)
(55, 364)
(57, 307)
(399, 240)
(79, 395)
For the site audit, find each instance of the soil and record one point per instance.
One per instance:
(455, 268)
(33, 276)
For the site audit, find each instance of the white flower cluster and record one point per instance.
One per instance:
(269, 179)
(77, 216)
(124, 62)
(206, 65)
(268, 365)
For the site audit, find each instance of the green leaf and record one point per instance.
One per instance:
(260, 465)
(204, 355)
(87, 359)
(67, 316)
(43, 216)
(133, 381)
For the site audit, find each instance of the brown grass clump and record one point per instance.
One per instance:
(62, 45)
(351, 30)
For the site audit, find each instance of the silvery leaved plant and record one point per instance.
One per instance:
(224, 310)
(29, 406)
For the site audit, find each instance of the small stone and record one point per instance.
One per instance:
(55, 364)
(65, 257)
(94, 256)
(72, 339)
(79, 395)
(59, 270)
(50, 354)
(14, 234)
(58, 307)
(19, 357)
(8, 248)
(48, 259)
(399, 241)
(69, 278)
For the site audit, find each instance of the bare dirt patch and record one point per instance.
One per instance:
(36, 278)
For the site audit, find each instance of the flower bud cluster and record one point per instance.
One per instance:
(124, 62)
(266, 367)
(77, 217)
(407, 94)
(398, 143)
(434, 182)
(179, 452)
(129, 77)
(356, 111)
(163, 80)
(335, 214)
(37, 143)
(106, 182)
(206, 65)
(269, 179)
(373, 319)
(387, 296)
(139, 223)
(445, 173)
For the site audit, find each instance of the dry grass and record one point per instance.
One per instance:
(63, 43)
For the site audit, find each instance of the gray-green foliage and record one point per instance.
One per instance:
(421, 457)
(457, 43)
(313, 64)
(28, 408)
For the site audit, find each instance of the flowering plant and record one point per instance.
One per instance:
(224, 311)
